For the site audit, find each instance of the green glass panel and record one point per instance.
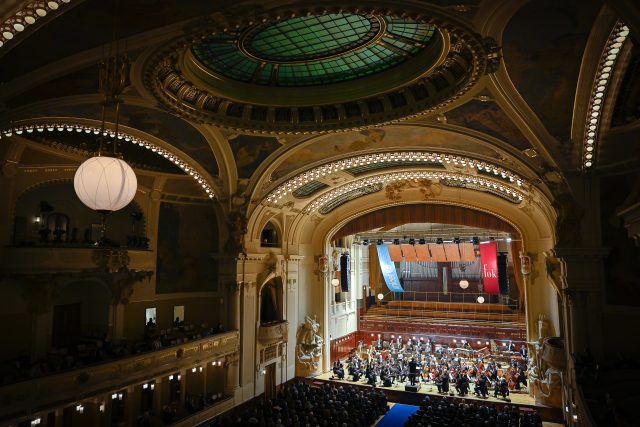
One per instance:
(313, 50)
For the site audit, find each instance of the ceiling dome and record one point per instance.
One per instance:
(297, 71)
(315, 49)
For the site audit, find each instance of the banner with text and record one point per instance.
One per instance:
(388, 269)
(489, 261)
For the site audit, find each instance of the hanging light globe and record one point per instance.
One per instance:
(335, 282)
(380, 296)
(464, 284)
(105, 184)
(480, 299)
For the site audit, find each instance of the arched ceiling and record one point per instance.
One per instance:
(510, 89)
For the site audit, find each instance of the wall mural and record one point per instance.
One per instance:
(250, 151)
(187, 238)
(165, 126)
(489, 118)
(542, 47)
(402, 136)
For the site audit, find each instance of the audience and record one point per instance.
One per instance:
(300, 405)
(97, 349)
(442, 412)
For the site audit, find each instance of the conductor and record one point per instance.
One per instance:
(413, 371)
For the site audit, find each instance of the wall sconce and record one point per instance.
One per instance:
(36, 422)
(80, 409)
(101, 407)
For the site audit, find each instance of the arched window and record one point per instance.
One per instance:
(271, 302)
(269, 237)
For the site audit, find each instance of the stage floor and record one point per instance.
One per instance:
(517, 397)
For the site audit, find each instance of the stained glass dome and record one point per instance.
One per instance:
(314, 50)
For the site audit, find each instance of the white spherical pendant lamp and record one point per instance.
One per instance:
(105, 184)
(464, 284)
(480, 299)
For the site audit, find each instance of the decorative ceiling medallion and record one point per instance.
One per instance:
(302, 71)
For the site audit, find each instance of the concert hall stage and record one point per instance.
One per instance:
(397, 394)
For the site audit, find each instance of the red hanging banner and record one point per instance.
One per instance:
(489, 261)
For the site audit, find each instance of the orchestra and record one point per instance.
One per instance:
(460, 368)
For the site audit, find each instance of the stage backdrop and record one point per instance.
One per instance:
(489, 261)
(187, 238)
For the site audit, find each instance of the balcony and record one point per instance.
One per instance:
(50, 391)
(46, 259)
(273, 332)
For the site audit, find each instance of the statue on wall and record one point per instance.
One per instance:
(545, 370)
(237, 224)
(309, 345)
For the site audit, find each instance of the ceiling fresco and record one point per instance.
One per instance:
(164, 126)
(250, 151)
(542, 47)
(406, 137)
(488, 117)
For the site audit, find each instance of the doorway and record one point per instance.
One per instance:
(270, 381)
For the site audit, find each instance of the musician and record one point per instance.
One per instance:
(512, 347)
(338, 370)
(524, 352)
(482, 386)
(521, 378)
(442, 382)
(502, 388)
(371, 375)
(386, 376)
(462, 384)
(413, 371)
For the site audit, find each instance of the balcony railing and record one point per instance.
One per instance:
(50, 391)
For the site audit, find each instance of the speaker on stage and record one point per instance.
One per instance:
(413, 388)
(345, 275)
(503, 273)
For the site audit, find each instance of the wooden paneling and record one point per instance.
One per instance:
(421, 213)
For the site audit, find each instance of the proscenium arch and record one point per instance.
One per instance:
(533, 222)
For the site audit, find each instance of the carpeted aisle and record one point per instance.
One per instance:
(397, 415)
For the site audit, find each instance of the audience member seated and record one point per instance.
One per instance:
(440, 412)
(299, 405)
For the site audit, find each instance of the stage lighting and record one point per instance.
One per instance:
(439, 240)
(365, 242)
(379, 242)
(475, 240)
(396, 241)
(422, 241)
(456, 240)
(412, 241)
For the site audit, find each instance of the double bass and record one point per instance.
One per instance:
(512, 378)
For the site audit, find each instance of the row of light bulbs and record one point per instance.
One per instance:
(419, 157)
(605, 71)
(402, 176)
(26, 16)
(62, 127)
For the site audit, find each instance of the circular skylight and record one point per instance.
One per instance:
(314, 50)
